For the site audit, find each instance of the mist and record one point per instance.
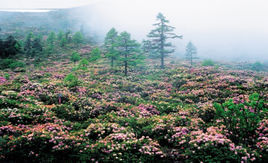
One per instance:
(221, 29)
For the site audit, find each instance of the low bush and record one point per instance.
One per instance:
(208, 62)
(71, 80)
(11, 63)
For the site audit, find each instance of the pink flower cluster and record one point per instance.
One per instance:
(262, 132)
(147, 110)
(2, 80)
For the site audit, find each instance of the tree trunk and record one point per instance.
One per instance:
(162, 60)
(162, 45)
(112, 62)
(125, 64)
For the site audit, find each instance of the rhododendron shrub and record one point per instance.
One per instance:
(213, 146)
(152, 115)
(241, 117)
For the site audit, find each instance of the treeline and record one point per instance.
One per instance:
(36, 46)
(119, 48)
(39, 44)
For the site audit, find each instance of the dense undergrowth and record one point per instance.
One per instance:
(57, 113)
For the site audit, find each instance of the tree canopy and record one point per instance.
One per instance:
(159, 36)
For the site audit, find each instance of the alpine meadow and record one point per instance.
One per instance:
(133, 81)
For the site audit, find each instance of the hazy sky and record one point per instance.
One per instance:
(43, 3)
(223, 28)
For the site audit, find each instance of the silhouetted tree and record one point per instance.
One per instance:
(129, 51)
(159, 37)
(9, 47)
(110, 45)
(191, 51)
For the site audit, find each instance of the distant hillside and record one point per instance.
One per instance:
(19, 22)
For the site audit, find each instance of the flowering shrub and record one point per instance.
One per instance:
(99, 130)
(241, 118)
(213, 146)
(262, 141)
(152, 115)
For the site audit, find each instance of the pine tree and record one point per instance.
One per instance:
(68, 36)
(110, 45)
(129, 51)
(10, 47)
(78, 38)
(191, 51)
(147, 48)
(51, 38)
(37, 45)
(95, 54)
(159, 37)
(51, 42)
(28, 44)
(60, 36)
(63, 42)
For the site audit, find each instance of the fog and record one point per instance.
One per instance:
(29, 4)
(220, 29)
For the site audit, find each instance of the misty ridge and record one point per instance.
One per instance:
(226, 32)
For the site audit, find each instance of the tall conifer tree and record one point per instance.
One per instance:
(159, 37)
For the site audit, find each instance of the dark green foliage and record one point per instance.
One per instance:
(37, 45)
(60, 36)
(51, 38)
(63, 42)
(68, 37)
(148, 50)
(95, 54)
(9, 47)
(71, 80)
(51, 42)
(33, 45)
(75, 57)
(241, 118)
(83, 64)
(28, 43)
(190, 52)
(17, 64)
(211, 153)
(208, 62)
(78, 38)
(159, 37)
(6, 62)
(129, 51)
(10, 63)
(110, 45)
(257, 66)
